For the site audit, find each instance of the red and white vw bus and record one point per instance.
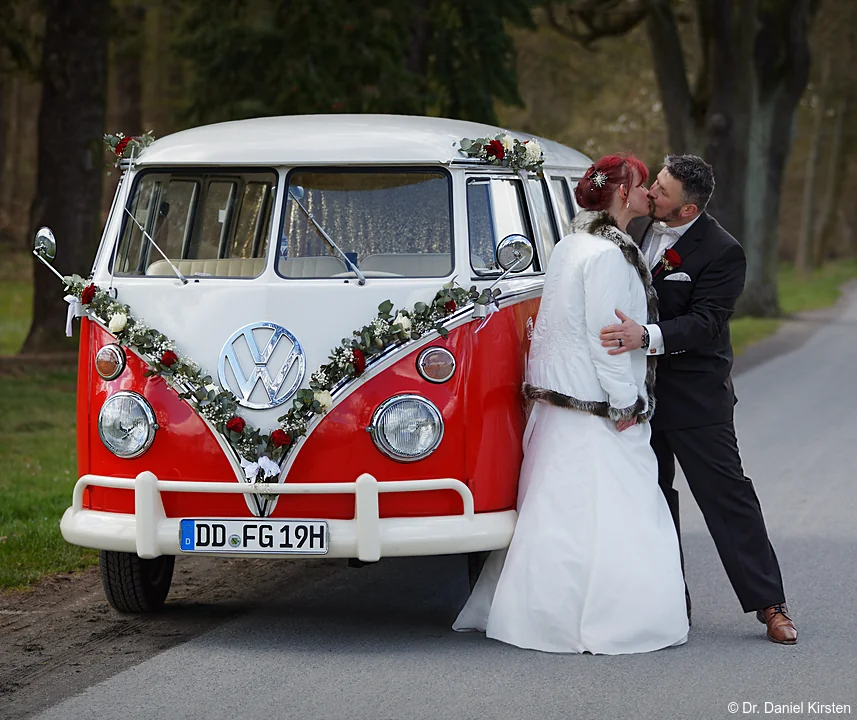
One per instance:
(219, 410)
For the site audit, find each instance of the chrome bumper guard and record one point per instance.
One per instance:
(368, 537)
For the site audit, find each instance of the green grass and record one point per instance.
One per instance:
(37, 450)
(16, 301)
(820, 289)
(37, 457)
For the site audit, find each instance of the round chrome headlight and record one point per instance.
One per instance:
(110, 361)
(407, 428)
(127, 424)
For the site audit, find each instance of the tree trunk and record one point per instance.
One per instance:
(680, 109)
(70, 157)
(805, 239)
(125, 76)
(5, 236)
(779, 75)
(834, 182)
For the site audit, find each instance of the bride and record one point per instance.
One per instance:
(594, 562)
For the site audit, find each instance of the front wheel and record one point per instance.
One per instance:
(135, 585)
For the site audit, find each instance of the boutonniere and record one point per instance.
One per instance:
(671, 260)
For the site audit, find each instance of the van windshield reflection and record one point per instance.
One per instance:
(384, 224)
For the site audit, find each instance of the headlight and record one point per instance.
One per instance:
(127, 424)
(407, 428)
(436, 364)
(110, 361)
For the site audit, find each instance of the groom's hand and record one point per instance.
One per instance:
(622, 338)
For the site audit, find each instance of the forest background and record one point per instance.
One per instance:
(764, 89)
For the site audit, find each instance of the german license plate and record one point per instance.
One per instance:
(254, 536)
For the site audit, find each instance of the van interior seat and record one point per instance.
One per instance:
(223, 267)
(409, 264)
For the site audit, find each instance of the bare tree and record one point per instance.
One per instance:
(737, 112)
(70, 158)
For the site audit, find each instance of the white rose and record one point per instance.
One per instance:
(534, 151)
(508, 142)
(324, 399)
(117, 322)
(403, 321)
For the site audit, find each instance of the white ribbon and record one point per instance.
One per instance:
(268, 467)
(491, 308)
(75, 309)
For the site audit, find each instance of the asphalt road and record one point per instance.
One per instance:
(375, 642)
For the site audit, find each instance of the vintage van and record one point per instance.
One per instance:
(219, 409)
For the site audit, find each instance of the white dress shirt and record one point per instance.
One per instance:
(654, 246)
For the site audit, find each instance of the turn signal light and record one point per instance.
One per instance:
(110, 361)
(436, 364)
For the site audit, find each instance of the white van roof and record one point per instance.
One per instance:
(333, 139)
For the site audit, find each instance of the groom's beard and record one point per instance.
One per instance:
(667, 217)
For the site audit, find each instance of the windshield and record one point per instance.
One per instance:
(211, 224)
(389, 223)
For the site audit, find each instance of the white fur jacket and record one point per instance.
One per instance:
(591, 273)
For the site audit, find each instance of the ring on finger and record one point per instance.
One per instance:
(620, 342)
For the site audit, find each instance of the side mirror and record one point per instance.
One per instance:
(515, 253)
(45, 247)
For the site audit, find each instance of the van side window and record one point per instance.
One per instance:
(208, 224)
(563, 205)
(495, 208)
(543, 216)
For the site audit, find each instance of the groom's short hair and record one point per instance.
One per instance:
(695, 175)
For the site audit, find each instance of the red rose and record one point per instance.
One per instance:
(359, 361)
(236, 425)
(280, 438)
(495, 148)
(672, 258)
(121, 145)
(169, 358)
(88, 294)
(450, 305)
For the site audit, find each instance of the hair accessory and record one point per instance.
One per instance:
(599, 179)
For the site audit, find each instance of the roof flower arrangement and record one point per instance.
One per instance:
(126, 146)
(506, 151)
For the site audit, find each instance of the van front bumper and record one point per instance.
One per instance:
(368, 537)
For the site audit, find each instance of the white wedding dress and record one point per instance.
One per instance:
(594, 562)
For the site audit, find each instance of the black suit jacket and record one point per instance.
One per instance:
(694, 383)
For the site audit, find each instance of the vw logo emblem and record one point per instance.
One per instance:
(244, 365)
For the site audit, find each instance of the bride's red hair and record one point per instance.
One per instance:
(615, 170)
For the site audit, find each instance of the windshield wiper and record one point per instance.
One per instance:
(361, 278)
(155, 245)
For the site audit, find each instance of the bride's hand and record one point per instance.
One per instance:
(625, 424)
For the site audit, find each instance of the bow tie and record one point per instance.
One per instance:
(660, 228)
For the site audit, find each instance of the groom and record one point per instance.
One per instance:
(698, 270)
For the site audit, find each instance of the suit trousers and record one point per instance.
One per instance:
(712, 465)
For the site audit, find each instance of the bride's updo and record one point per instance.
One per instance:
(595, 190)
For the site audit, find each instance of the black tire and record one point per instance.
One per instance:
(134, 585)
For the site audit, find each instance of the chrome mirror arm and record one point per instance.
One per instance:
(49, 266)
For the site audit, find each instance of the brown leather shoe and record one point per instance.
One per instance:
(781, 629)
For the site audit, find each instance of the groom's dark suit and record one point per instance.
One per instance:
(695, 399)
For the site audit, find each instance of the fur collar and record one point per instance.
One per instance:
(602, 224)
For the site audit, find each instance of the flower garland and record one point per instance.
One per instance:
(261, 453)
(506, 151)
